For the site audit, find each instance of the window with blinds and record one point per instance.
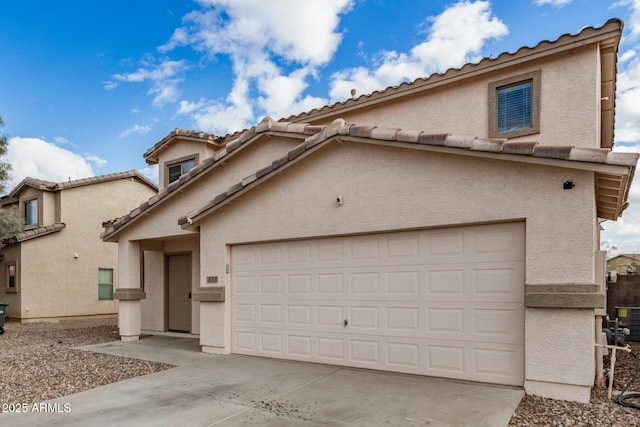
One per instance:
(514, 107)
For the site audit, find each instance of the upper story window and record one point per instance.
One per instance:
(31, 212)
(175, 170)
(514, 106)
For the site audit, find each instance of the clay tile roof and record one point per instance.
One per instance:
(611, 28)
(184, 134)
(609, 205)
(299, 130)
(55, 186)
(32, 233)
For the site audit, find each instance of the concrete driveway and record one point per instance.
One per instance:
(211, 390)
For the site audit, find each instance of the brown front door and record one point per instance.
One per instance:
(179, 284)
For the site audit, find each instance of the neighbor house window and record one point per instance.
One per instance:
(12, 277)
(105, 284)
(31, 212)
(514, 106)
(178, 169)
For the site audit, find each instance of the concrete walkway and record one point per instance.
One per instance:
(211, 390)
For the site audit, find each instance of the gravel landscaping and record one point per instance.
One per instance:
(38, 363)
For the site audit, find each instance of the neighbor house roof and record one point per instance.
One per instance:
(55, 186)
(614, 170)
(32, 233)
(607, 35)
(151, 155)
(632, 257)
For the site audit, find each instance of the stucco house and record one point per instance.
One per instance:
(624, 264)
(58, 266)
(438, 227)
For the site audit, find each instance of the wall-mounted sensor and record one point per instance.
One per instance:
(568, 185)
(339, 200)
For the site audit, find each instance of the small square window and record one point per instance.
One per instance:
(176, 170)
(105, 284)
(514, 106)
(31, 212)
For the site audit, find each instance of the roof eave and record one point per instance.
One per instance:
(601, 162)
(609, 33)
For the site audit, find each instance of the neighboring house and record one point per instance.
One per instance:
(624, 264)
(58, 266)
(442, 227)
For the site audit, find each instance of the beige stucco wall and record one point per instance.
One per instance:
(53, 282)
(10, 254)
(180, 149)
(160, 233)
(392, 189)
(153, 307)
(163, 220)
(569, 113)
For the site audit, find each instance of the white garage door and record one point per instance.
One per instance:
(447, 302)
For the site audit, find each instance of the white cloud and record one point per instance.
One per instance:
(40, 159)
(302, 32)
(624, 234)
(61, 140)
(455, 37)
(164, 78)
(137, 129)
(221, 118)
(626, 56)
(259, 42)
(151, 172)
(556, 3)
(99, 162)
(186, 107)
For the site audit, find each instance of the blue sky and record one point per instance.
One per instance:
(87, 86)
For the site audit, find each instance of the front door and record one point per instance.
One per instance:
(179, 284)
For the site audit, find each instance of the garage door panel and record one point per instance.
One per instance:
(364, 283)
(446, 302)
(299, 284)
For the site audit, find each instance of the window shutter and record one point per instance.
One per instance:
(514, 107)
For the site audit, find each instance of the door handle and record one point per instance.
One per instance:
(346, 322)
(189, 295)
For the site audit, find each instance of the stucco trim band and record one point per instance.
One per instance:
(209, 294)
(564, 295)
(129, 294)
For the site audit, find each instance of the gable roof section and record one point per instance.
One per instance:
(32, 233)
(266, 126)
(56, 186)
(151, 155)
(607, 35)
(614, 171)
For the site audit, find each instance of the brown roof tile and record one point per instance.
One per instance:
(456, 142)
(339, 128)
(182, 133)
(586, 34)
(32, 233)
(55, 186)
